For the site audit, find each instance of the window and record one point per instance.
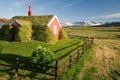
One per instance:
(55, 29)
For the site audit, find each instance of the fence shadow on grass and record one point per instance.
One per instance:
(69, 52)
(10, 70)
(66, 47)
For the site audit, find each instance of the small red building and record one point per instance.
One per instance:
(55, 26)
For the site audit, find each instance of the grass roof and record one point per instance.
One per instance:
(24, 23)
(35, 20)
(40, 30)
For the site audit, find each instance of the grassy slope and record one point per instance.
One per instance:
(72, 73)
(23, 51)
(25, 48)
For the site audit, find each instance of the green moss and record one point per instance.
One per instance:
(6, 32)
(36, 20)
(43, 34)
(24, 32)
(62, 34)
(50, 37)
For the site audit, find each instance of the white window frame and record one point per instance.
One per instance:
(55, 29)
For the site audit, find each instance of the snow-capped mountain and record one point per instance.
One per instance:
(93, 23)
(65, 24)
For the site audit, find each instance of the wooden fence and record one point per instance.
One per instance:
(59, 68)
(62, 67)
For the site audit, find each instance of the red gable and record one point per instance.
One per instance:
(55, 26)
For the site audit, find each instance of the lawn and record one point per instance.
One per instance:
(23, 51)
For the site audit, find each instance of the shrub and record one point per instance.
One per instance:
(62, 34)
(24, 32)
(5, 32)
(43, 33)
(42, 55)
(50, 37)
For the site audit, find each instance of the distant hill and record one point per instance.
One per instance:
(112, 24)
(65, 24)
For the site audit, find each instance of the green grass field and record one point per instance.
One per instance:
(96, 32)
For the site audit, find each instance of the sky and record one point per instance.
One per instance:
(65, 10)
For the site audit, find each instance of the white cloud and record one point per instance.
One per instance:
(69, 5)
(113, 15)
(10, 8)
(18, 4)
(109, 16)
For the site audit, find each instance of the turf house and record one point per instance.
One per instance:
(46, 28)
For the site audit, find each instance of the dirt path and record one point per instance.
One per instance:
(104, 62)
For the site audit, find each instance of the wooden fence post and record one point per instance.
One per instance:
(56, 70)
(16, 68)
(91, 40)
(78, 54)
(70, 61)
(87, 45)
(84, 48)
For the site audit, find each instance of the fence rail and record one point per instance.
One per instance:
(17, 66)
(58, 68)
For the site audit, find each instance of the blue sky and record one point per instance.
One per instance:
(66, 10)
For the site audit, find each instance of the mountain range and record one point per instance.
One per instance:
(93, 23)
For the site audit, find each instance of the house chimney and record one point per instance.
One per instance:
(30, 11)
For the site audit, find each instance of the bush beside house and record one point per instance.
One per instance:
(42, 55)
(63, 34)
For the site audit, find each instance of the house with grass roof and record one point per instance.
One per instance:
(3, 21)
(44, 28)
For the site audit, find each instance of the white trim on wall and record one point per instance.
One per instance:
(52, 21)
